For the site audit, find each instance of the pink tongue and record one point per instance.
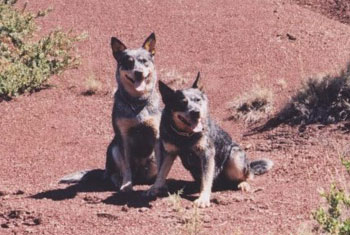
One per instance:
(198, 127)
(140, 86)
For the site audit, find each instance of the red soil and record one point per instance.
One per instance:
(236, 45)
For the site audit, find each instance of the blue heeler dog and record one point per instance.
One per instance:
(206, 150)
(135, 119)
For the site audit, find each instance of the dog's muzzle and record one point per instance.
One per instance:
(194, 122)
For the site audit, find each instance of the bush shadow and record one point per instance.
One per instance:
(320, 100)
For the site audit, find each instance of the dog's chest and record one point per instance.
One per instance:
(140, 136)
(190, 159)
(192, 162)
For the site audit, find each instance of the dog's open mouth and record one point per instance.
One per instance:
(194, 126)
(130, 79)
(139, 86)
(182, 119)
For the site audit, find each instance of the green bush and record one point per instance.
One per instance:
(25, 66)
(336, 218)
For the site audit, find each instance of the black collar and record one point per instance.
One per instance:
(182, 133)
(135, 104)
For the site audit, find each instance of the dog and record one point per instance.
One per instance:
(135, 117)
(130, 157)
(205, 149)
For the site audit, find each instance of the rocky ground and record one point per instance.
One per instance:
(276, 44)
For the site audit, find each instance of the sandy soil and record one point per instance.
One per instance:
(236, 45)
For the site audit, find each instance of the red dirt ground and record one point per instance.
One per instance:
(236, 45)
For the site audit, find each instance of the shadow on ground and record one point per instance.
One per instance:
(92, 182)
(320, 100)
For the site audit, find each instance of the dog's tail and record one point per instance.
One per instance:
(261, 166)
(95, 175)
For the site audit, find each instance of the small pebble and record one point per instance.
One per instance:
(125, 208)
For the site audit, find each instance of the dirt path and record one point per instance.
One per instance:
(236, 45)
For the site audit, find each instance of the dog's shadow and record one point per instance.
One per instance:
(92, 182)
(187, 189)
(137, 199)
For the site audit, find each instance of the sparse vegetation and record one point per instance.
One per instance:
(335, 9)
(322, 100)
(253, 105)
(92, 86)
(175, 200)
(191, 220)
(25, 65)
(336, 218)
(173, 78)
(346, 163)
(282, 83)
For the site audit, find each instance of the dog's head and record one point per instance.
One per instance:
(188, 107)
(136, 71)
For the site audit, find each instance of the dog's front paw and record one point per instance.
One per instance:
(244, 186)
(116, 180)
(127, 187)
(152, 192)
(202, 202)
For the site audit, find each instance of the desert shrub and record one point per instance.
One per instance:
(334, 9)
(92, 86)
(335, 219)
(26, 65)
(253, 105)
(323, 100)
(346, 163)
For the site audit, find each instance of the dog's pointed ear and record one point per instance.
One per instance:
(166, 92)
(150, 44)
(117, 48)
(197, 84)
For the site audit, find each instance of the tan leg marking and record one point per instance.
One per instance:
(168, 160)
(235, 169)
(124, 125)
(170, 148)
(208, 168)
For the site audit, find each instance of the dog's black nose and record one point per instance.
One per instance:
(138, 76)
(194, 115)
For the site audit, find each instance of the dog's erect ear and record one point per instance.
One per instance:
(150, 44)
(117, 47)
(166, 92)
(197, 84)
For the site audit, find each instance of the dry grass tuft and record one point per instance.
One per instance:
(190, 220)
(92, 86)
(253, 105)
(173, 78)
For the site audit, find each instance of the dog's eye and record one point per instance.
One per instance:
(143, 61)
(128, 63)
(184, 102)
(196, 100)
